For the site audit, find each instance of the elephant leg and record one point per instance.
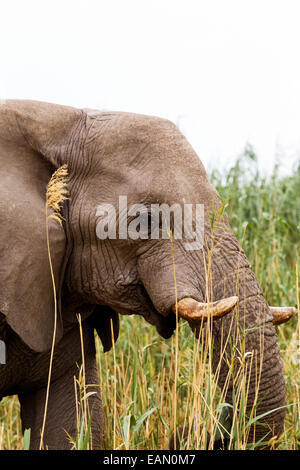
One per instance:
(61, 415)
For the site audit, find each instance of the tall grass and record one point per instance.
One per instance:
(264, 213)
(140, 375)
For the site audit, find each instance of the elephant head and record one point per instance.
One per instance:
(149, 162)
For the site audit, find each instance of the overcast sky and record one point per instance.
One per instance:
(226, 71)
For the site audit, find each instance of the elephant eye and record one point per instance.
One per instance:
(150, 225)
(155, 224)
(147, 225)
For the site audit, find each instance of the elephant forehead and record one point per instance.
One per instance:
(144, 155)
(134, 138)
(128, 126)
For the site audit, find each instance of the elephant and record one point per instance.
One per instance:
(108, 155)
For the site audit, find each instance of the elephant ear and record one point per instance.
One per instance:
(32, 137)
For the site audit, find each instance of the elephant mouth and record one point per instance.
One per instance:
(187, 308)
(159, 308)
(165, 324)
(198, 313)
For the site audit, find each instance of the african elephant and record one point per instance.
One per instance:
(109, 154)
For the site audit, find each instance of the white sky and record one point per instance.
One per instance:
(226, 71)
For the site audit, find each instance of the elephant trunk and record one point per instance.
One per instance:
(246, 356)
(244, 345)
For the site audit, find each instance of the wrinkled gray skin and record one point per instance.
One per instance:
(108, 154)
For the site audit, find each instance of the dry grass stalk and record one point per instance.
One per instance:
(176, 343)
(56, 194)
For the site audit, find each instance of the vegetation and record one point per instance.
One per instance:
(147, 381)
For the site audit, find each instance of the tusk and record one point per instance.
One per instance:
(282, 314)
(191, 310)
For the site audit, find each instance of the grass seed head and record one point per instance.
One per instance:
(57, 192)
